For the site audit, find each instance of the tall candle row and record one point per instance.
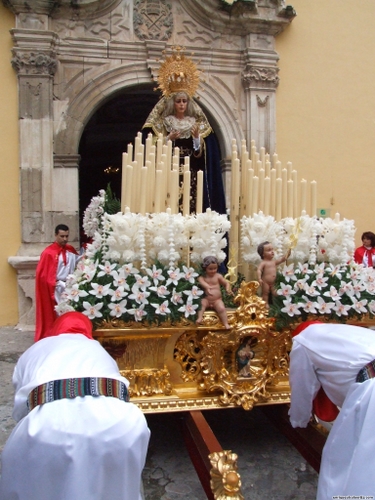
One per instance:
(267, 187)
(151, 178)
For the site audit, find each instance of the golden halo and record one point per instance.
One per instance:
(178, 73)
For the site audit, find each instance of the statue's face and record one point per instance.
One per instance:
(180, 103)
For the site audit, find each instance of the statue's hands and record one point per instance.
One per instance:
(195, 131)
(173, 135)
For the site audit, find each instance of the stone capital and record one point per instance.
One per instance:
(260, 77)
(34, 63)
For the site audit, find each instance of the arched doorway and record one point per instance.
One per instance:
(108, 132)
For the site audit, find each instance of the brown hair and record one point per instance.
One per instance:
(209, 260)
(260, 248)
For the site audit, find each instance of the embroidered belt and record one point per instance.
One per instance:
(71, 388)
(367, 372)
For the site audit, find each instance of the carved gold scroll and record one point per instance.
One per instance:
(178, 367)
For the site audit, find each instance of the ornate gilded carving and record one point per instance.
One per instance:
(225, 480)
(149, 382)
(190, 367)
(153, 19)
(242, 362)
(34, 63)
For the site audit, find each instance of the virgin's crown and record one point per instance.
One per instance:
(178, 73)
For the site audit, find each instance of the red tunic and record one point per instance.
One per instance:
(45, 283)
(360, 253)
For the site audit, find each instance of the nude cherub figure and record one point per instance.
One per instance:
(210, 281)
(267, 269)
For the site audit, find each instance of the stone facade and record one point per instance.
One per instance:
(71, 57)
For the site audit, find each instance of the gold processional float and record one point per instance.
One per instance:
(137, 281)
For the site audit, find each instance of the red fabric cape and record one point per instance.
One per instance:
(45, 283)
(360, 252)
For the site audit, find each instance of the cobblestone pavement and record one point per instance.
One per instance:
(269, 466)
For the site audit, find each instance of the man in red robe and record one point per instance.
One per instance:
(56, 262)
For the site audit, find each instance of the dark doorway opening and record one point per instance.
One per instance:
(106, 136)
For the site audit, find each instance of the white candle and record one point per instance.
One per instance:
(235, 196)
(144, 190)
(278, 170)
(129, 187)
(169, 154)
(173, 201)
(130, 153)
(123, 179)
(284, 202)
(268, 169)
(186, 163)
(243, 186)
(148, 147)
(199, 202)
(158, 191)
(295, 193)
(279, 185)
(275, 159)
(273, 193)
(261, 189)
(159, 148)
(313, 198)
(267, 196)
(255, 207)
(290, 198)
(164, 185)
(337, 217)
(289, 169)
(303, 204)
(186, 194)
(253, 153)
(150, 188)
(135, 187)
(249, 195)
(263, 156)
(137, 143)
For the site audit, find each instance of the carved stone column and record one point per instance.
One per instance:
(34, 59)
(260, 80)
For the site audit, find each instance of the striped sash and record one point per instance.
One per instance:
(71, 388)
(367, 372)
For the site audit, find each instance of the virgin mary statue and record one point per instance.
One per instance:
(179, 118)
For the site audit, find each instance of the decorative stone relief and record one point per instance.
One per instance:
(34, 6)
(242, 17)
(153, 19)
(262, 102)
(113, 23)
(34, 63)
(35, 96)
(255, 76)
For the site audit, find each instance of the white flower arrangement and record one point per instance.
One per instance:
(93, 214)
(327, 291)
(137, 267)
(312, 239)
(106, 291)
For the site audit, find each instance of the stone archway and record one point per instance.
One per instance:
(72, 59)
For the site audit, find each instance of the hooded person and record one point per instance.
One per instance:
(77, 436)
(333, 366)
